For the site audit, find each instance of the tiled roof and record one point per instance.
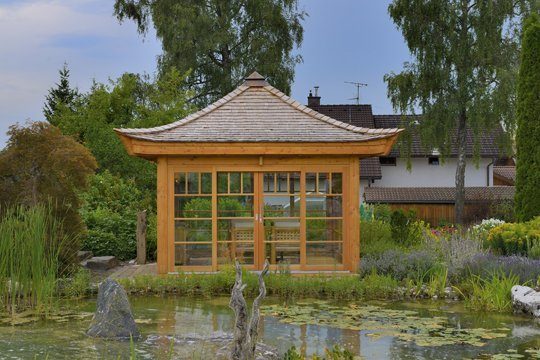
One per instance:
(435, 195)
(487, 141)
(357, 115)
(257, 112)
(370, 168)
(507, 173)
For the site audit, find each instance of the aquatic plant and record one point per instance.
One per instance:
(404, 325)
(334, 353)
(483, 265)
(489, 294)
(31, 242)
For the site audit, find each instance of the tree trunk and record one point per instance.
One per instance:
(246, 332)
(460, 169)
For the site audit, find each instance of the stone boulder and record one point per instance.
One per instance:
(84, 255)
(101, 263)
(526, 300)
(113, 318)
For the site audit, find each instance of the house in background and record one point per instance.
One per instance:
(429, 187)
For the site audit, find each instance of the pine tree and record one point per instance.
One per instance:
(527, 199)
(61, 95)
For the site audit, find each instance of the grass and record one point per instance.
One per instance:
(490, 294)
(30, 247)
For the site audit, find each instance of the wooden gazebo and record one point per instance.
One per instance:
(255, 176)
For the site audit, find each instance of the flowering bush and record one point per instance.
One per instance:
(484, 265)
(481, 230)
(515, 238)
(398, 264)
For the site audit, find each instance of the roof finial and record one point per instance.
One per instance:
(255, 79)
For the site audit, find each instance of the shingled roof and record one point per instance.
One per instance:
(506, 173)
(435, 195)
(257, 112)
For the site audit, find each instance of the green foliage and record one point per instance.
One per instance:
(40, 166)
(31, 242)
(491, 294)
(379, 286)
(61, 96)
(131, 101)
(515, 238)
(405, 230)
(527, 199)
(78, 285)
(110, 212)
(375, 237)
(222, 41)
(382, 212)
(462, 76)
(335, 353)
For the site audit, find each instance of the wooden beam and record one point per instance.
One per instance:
(162, 216)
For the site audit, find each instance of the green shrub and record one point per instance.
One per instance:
(379, 286)
(489, 294)
(110, 214)
(382, 212)
(375, 237)
(405, 230)
(515, 238)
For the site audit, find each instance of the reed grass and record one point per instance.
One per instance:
(30, 244)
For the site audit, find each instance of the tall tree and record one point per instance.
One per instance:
(462, 78)
(61, 95)
(221, 41)
(528, 132)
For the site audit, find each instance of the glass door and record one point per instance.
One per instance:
(279, 215)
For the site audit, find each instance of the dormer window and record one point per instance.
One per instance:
(433, 160)
(387, 160)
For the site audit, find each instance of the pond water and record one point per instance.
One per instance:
(172, 326)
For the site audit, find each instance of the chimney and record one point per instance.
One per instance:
(314, 100)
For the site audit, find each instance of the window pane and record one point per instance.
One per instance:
(228, 252)
(323, 183)
(337, 183)
(324, 230)
(311, 182)
(323, 206)
(235, 206)
(235, 230)
(281, 206)
(247, 179)
(282, 253)
(193, 254)
(223, 181)
(282, 230)
(282, 182)
(324, 254)
(235, 183)
(193, 207)
(268, 182)
(193, 230)
(180, 183)
(294, 183)
(193, 183)
(206, 183)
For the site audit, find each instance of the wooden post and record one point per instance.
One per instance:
(141, 237)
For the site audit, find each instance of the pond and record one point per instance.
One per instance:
(176, 328)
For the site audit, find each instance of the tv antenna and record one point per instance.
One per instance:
(358, 85)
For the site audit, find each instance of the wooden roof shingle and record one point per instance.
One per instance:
(257, 112)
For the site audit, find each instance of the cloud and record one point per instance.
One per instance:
(37, 36)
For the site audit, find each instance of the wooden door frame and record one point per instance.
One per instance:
(350, 173)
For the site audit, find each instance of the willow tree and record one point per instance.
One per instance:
(221, 41)
(462, 76)
(528, 131)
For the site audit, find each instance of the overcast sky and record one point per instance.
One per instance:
(344, 40)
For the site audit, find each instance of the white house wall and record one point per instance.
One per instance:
(423, 174)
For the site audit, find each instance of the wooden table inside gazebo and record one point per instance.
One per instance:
(255, 176)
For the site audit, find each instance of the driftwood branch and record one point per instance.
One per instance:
(246, 331)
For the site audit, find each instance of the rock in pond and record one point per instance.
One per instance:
(526, 300)
(101, 263)
(113, 318)
(84, 255)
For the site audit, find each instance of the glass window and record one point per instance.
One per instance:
(223, 183)
(193, 207)
(269, 182)
(324, 230)
(323, 183)
(234, 183)
(180, 183)
(282, 182)
(235, 206)
(311, 182)
(323, 206)
(247, 183)
(337, 183)
(193, 183)
(193, 231)
(228, 252)
(193, 254)
(235, 230)
(282, 253)
(324, 254)
(206, 183)
(294, 183)
(281, 206)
